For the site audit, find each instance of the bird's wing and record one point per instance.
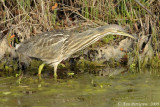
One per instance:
(44, 46)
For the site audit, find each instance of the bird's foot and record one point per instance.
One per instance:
(39, 77)
(55, 76)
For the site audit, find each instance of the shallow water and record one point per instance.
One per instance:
(127, 89)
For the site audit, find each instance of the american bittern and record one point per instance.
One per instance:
(53, 47)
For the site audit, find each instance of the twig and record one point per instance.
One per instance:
(144, 8)
(42, 7)
(75, 10)
(24, 10)
(12, 18)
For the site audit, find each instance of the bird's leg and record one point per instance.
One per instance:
(40, 69)
(55, 71)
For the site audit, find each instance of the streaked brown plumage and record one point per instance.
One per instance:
(53, 47)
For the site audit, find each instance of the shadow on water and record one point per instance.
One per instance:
(109, 89)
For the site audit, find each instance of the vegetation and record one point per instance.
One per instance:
(30, 17)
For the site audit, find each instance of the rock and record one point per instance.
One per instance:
(5, 49)
(115, 52)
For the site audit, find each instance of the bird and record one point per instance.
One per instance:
(55, 46)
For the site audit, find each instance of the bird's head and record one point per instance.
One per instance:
(118, 30)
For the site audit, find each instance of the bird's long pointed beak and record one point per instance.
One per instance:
(126, 34)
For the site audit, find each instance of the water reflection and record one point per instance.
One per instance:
(107, 71)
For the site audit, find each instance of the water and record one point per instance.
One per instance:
(126, 89)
